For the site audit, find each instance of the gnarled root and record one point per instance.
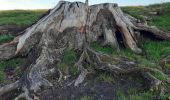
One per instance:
(128, 67)
(34, 76)
(24, 95)
(9, 87)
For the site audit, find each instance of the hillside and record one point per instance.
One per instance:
(156, 54)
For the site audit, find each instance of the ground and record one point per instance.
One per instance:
(104, 85)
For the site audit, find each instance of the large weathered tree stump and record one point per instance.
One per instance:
(74, 26)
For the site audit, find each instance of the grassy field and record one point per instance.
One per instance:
(20, 17)
(161, 21)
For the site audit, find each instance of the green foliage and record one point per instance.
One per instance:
(107, 49)
(86, 98)
(5, 38)
(20, 17)
(105, 77)
(69, 57)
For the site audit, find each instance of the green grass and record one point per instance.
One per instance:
(107, 49)
(68, 61)
(106, 77)
(86, 98)
(5, 38)
(155, 50)
(2, 77)
(135, 94)
(160, 21)
(20, 17)
(13, 63)
(136, 11)
(69, 57)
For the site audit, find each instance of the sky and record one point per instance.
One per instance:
(46, 4)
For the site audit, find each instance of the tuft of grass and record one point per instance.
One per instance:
(68, 60)
(74, 71)
(107, 49)
(135, 95)
(20, 17)
(156, 49)
(13, 63)
(86, 98)
(5, 38)
(159, 75)
(62, 66)
(105, 77)
(167, 66)
(69, 57)
(120, 94)
(2, 77)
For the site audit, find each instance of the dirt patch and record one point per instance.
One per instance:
(11, 29)
(93, 88)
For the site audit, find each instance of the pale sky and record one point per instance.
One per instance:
(46, 4)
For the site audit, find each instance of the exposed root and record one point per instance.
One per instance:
(81, 77)
(7, 51)
(84, 56)
(24, 95)
(154, 31)
(118, 69)
(154, 83)
(61, 75)
(9, 87)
